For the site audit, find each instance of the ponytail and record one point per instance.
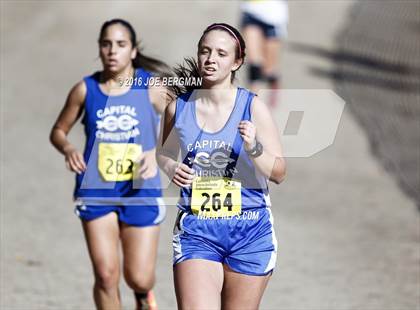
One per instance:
(187, 70)
(159, 68)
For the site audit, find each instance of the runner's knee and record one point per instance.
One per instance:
(140, 282)
(107, 278)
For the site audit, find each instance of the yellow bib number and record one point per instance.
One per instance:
(117, 161)
(216, 197)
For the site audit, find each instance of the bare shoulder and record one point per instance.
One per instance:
(72, 108)
(259, 109)
(78, 92)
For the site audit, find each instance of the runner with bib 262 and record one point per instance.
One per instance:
(118, 189)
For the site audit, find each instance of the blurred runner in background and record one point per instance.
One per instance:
(264, 27)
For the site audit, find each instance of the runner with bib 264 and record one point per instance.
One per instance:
(224, 242)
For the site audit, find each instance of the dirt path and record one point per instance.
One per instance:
(348, 237)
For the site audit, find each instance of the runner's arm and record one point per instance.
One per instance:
(68, 116)
(168, 147)
(271, 163)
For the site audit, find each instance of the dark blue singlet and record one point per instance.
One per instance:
(115, 123)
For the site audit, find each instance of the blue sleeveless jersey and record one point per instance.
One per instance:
(109, 120)
(220, 154)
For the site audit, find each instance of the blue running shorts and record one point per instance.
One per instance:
(270, 31)
(246, 242)
(132, 215)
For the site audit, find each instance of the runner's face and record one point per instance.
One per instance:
(216, 56)
(115, 48)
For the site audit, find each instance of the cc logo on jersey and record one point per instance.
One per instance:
(112, 123)
(217, 159)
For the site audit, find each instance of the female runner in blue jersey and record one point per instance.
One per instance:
(224, 242)
(118, 189)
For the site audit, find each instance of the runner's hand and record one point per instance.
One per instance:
(248, 132)
(183, 175)
(74, 160)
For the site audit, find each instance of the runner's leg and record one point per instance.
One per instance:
(254, 38)
(102, 238)
(272, 50)
(198, 284)
(140, 253)
(271, 55)
(242, 291)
